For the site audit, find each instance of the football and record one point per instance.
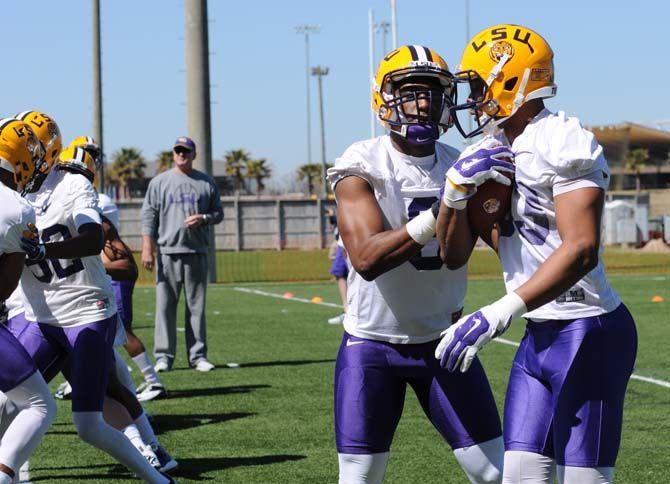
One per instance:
(490, 204)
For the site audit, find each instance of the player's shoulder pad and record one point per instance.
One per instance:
(566, 146)
(364, 159)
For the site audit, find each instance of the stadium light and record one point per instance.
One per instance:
(307, 30)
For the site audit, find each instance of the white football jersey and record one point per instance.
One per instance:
(15, 216)
(553, 155)
(68, 292)
(15, 303)
(414, 302)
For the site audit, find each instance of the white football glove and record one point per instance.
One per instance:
(462, 340)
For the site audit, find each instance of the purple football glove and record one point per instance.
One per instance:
(462, 340)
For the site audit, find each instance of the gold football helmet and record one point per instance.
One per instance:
(89, 145)
(47, 132)
(78, 160)
(21, 152)
(504, 66)
(399, 109)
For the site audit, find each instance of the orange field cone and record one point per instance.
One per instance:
(657, 298)
(317, 299)
(288, 295)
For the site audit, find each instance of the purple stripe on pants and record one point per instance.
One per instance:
(370, 382)
(16, 364)
(86, 349)
(567, 385)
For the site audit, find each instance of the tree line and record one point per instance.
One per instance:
(246, 175)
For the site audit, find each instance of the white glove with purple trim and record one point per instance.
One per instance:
(487, 161)
(462, 340)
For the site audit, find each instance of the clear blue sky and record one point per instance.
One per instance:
(611, 58)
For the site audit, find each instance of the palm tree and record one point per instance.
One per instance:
(311, 174)
(128, 164)
(236, 162)
(164, 161)
(635, 161)
(259, 171)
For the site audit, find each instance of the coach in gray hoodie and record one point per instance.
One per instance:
(178, 209)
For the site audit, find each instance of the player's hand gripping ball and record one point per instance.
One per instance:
(490, 204)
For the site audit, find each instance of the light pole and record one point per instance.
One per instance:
(384, 27)
(394, 24)
(371, 58)
(319, 72)
(97, 90)
(307, 29)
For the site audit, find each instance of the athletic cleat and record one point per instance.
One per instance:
(155, 391)
(148, 453)
(162, 365)
(337, 319)
(204, 365)
(167, 463)
(64, 391)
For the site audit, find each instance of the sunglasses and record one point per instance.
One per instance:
(180, 150)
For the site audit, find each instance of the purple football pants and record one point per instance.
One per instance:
(16, 365)
(370, 382)
(86, 350)
(123, 294)
(567, 386)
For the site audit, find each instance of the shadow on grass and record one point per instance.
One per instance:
(170, 422)
(189, 468)
(213, 391)
(285, 363)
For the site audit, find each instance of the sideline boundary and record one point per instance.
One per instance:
(258, 292)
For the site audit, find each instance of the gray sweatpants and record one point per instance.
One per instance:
(174, 271)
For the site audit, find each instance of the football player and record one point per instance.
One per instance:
(564, 401)
(20, 382)
(400, 296)
(69, 303)
(121, 267)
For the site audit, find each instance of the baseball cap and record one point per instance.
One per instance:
(185, 142)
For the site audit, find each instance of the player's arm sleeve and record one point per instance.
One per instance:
(149, 214)
(353, 163)
(85, 205)
(215, 213)
(577, 159)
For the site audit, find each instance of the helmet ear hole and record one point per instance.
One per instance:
(510, 83)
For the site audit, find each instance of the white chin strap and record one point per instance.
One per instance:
(6, 165)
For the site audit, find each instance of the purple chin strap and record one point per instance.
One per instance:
(422, 134)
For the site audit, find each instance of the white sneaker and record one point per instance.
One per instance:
(154, 391)
(148, 453)
(162, 365)
(64, 391)
(167, 462)
(204, 365)
(337, 319)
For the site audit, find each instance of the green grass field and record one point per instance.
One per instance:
(270, 421)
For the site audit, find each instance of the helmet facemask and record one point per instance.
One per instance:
(417, 104)
(478, 106)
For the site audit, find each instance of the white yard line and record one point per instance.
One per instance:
(504, 341)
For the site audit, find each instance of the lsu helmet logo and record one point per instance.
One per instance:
(499, 49)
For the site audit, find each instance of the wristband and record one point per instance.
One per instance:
(205, 219)
(422, 227)
(509, 305)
